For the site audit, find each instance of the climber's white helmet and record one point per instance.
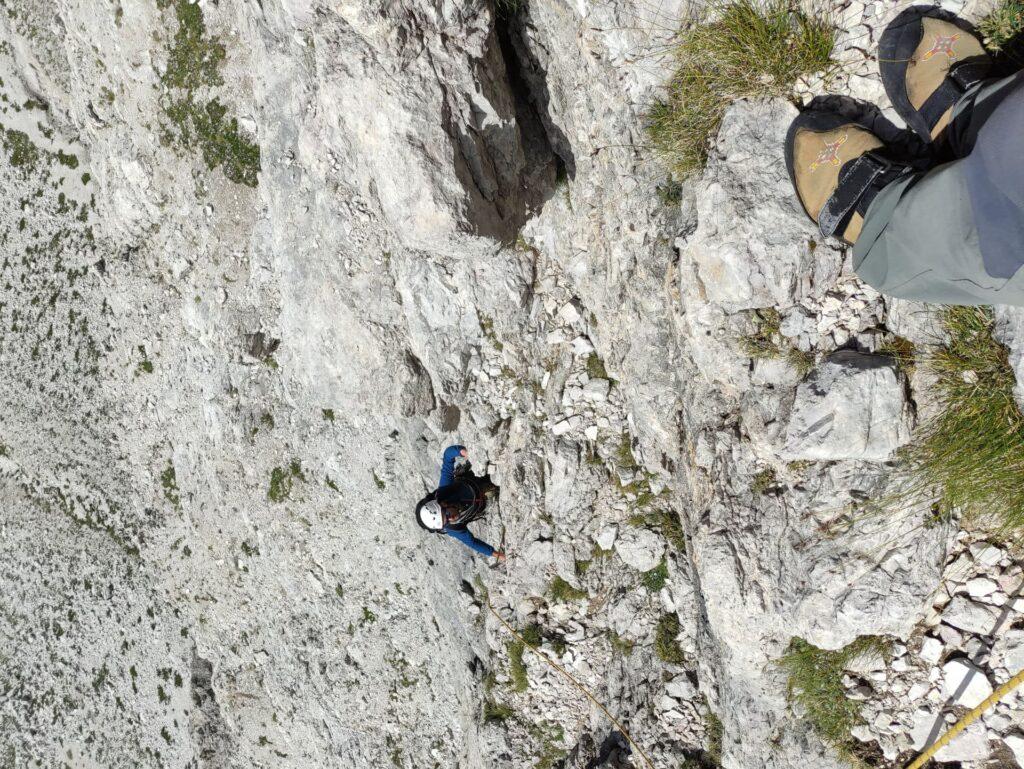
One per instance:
(431, 516)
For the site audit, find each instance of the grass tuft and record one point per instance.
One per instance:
(1003, 24)
(169, 480)
(970, 456)
(624, 456)
(562, 592)
(665, 644)
(670, 193)
(763, 341)
(516, 666)
(766, 342)
(751, 48)
(801, 360)
(816, 684)
(496, 712)
(595, 367)
(900, 350)
(619, 644)
(763, 481)
(714, 737)
(282, 479)
(655, 579)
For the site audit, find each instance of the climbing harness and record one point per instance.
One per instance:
(576, 683)
(967, 720)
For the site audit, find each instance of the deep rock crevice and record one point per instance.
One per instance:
(513, 160)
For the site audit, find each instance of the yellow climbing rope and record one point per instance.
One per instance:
(576, 683)
(967, 720)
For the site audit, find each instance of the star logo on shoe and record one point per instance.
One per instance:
(829, 155)
(942, 45)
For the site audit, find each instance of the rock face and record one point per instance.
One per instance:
(854, 406)
(262, 262)
(748, 192)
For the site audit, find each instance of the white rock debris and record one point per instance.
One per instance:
(949, 669)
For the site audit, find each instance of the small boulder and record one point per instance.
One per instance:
(1008, 650)
(1015, 742)
(970, 745)
(681, 688)
(922, 727)
(854, 406)
(567, 425)
(931, 650)
(596, 390)
(970, 616)
(606, 537)
(965, 682)
(918, 691)
(640, 548)
(979, 587)
(581, 346)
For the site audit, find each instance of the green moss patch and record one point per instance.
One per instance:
(655, 579)
(21, 152)
(169, 482)
(282, 479)
(195, 121)
(562, 592)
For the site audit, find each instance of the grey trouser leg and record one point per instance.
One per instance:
(955, 234)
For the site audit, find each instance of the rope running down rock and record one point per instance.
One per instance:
(576, 683)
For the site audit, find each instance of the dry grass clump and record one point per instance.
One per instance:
(749, 48)
(665, 645)
(766, 342)
(970, 456)
(816, 685)
(1005, 23)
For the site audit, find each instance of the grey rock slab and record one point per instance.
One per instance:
(747, 217)
(853, 406)
(970, 745)
(640, 547)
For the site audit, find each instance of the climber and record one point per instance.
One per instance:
(941, 225)
(459, 499)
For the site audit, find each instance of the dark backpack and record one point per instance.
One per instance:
(465, 494)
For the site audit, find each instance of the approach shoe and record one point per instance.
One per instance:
(837, 167)
(928, 58)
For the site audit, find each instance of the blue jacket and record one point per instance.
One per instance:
(447, 476)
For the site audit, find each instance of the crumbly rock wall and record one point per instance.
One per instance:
(262, 260)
